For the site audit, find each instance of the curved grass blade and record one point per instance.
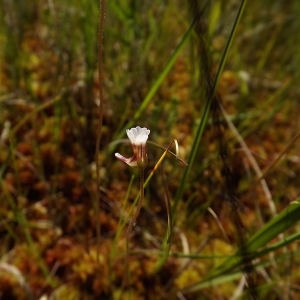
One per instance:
(281, 223)
(233, 275)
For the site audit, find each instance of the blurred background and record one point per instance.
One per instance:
(153, 77)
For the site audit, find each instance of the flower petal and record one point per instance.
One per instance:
(138, 135)
(131, 133)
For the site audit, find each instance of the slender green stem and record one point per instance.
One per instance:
(132, 223)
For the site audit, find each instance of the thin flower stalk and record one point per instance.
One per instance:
(138, 138)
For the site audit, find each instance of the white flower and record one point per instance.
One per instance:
(138, 135)
(138, 138)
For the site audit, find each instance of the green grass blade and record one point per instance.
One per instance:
(156, 84)
(204, 119)
(234, 274)
(281, 223)
(278, 225)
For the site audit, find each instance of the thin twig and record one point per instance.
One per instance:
(100, 110)
(272, 165)
(219, 224)
(252, 161)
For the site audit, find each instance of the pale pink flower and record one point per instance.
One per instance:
(138, 138)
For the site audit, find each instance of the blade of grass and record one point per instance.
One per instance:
(202, 124)
(279, 224)
(204, 119)
(155, 85)
(232, 275)
(282, 243)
